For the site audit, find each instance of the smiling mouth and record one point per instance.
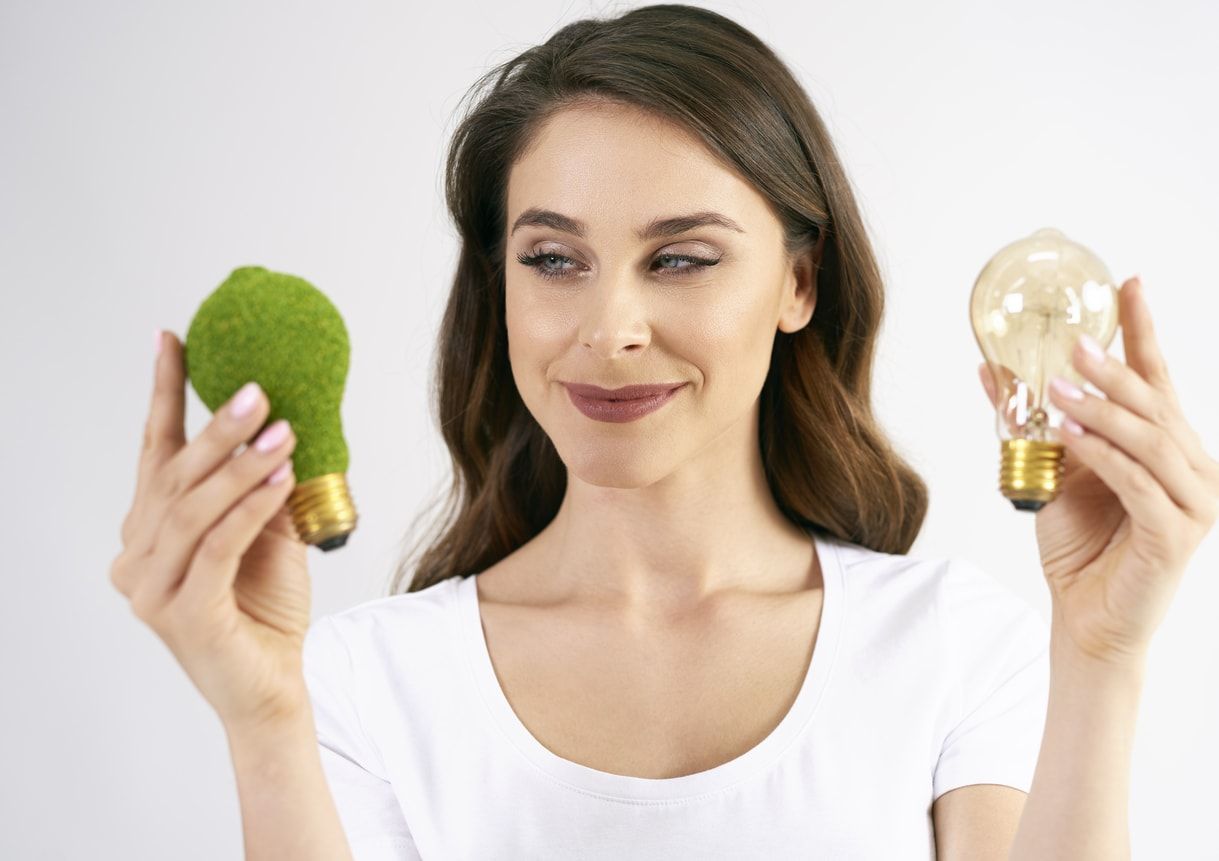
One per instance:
(623, 394)
(620, 410)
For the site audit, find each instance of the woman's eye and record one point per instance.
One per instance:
(538, 262)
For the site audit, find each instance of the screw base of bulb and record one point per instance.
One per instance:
(1030, 472)
(322, 511)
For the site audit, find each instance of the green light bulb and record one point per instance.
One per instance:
(282, 332)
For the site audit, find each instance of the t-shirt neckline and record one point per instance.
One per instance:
(632, 788)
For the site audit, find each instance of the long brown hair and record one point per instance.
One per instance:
(828, 463)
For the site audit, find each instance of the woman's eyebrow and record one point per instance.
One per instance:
(656, 228)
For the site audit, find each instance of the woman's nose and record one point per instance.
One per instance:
(614, 315)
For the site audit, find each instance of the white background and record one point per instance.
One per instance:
(148, 148)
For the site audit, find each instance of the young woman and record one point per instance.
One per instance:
(676, 622)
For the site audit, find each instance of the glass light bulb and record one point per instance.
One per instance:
(1031, 302)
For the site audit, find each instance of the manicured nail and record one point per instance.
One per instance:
(1093, 349)
(244, 400)
(1067, 389)
(156, 342)
(281, 472)
(272, 436)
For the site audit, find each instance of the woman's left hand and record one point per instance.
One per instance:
(1138, 496)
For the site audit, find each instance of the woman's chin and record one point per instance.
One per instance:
(620, 470)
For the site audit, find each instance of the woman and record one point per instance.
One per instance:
(693, 630)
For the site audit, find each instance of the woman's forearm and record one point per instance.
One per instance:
(1077, 806)
(287, 810)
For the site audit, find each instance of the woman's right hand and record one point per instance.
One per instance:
(210, 560)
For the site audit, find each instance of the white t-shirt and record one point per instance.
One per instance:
(926, 675)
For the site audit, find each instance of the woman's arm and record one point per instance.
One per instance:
(1077, 806)
(287, 810)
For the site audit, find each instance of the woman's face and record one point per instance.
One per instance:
(613, 309)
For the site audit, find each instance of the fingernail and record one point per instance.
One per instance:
(1093, 349)
(281, 472)
(1067, 389)
(156, 342)
(244, 400)
(272, 436)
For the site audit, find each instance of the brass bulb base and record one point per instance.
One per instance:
(322, 511)
(1030, 472)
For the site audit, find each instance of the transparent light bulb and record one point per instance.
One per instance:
(1029, 305)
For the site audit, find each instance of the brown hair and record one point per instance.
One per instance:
(827, 461)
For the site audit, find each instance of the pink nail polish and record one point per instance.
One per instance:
(1093, 349)
(281, 472)
(243, 402)
(1067, 389)
(272, 436)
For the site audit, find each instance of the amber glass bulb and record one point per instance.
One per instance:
(1029, 305)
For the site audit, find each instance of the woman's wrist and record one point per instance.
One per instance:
(290, 718)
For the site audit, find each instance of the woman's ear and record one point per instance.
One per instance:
(801, 296)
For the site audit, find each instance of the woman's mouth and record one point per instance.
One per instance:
(620, 409)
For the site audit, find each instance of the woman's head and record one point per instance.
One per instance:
(666, 110)
(616, 299)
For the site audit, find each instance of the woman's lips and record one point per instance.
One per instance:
(626, 410)
(621, 394)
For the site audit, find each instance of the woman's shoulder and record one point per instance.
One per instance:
(393, 624)
(950, 587)
(434, 598)
(880, 578)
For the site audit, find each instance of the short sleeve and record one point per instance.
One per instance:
(999, 651)
(372, 819)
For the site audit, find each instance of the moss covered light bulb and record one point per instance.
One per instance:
(282, 332)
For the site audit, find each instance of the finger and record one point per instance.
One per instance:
(1139, 339)
(1144, 355)
(196, 512)
(1143, 497)
(1120, 383)
(243, 416)
(164, 435)
(213, 567)
(1005, 377)
(165, 426)
(1147, 444)
(191, 464)
(990, 374)
(987, 383)
(283, 525)
(1125, 384)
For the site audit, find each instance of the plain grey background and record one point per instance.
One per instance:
(148, 148)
